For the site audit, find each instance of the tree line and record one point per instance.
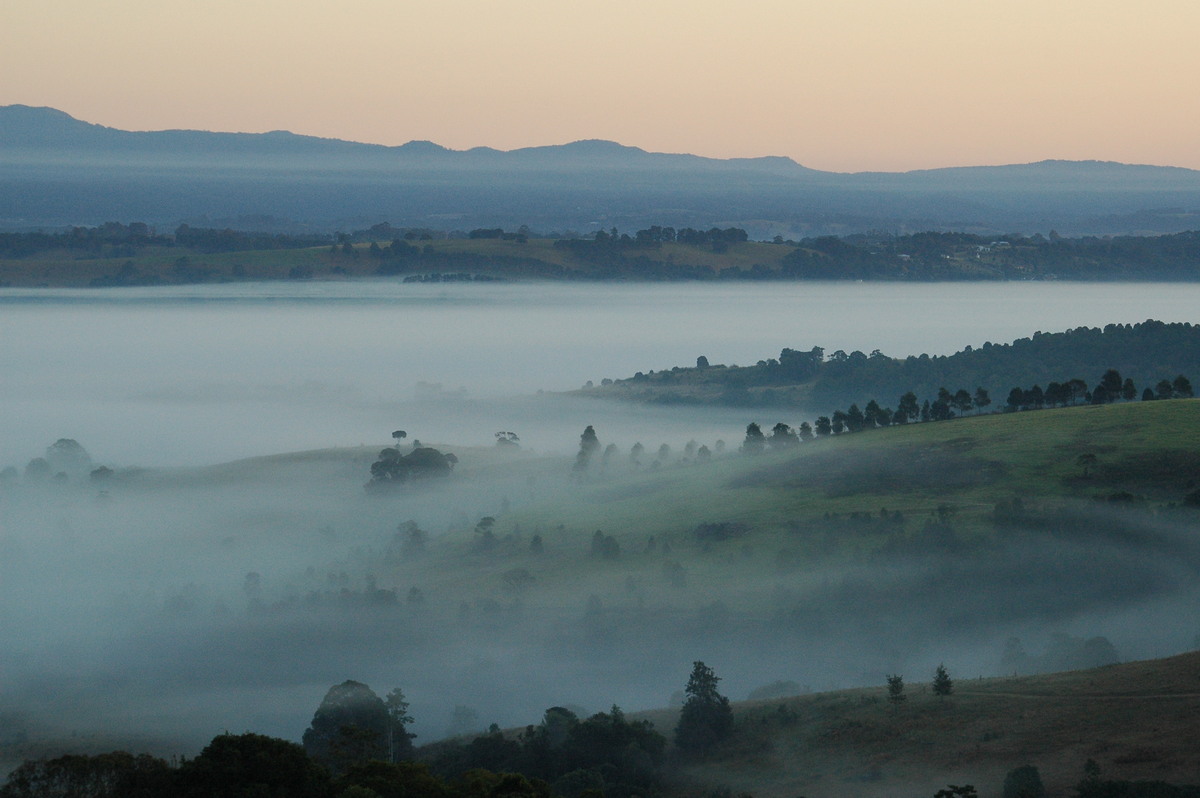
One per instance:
(934, 255)
(358, 746)
(1110, 388)
(1145, 352)
(116, 240)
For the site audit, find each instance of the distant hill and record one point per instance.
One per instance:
(1147, 353)
(58, 170)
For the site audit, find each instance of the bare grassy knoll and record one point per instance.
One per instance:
(1138, 721)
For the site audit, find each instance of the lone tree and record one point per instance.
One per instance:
(1024, 782)
(399, 435)
(755, 440)
(942, 683)
(351, 725)
(706, 717)
(399, 738)
(588, 444)
(895, 684)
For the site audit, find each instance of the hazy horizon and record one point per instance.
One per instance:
(861, 86)
(624, 144)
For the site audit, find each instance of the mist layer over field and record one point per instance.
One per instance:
(167, 604)
(206, 374)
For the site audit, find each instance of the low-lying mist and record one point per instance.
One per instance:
(161, 607)
(184, 594)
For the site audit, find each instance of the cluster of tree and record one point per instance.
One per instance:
(116, 240)
(393, 468)
(941, 686)
(358, 744)
(613, 240)
(204, 239)
(401, 256)
(934, 255)
(872, 416)
(606, 753)
(1110, 388)
(948, 405)
(1143, 353)
(452, 277)
(521, 236)
(243, 765)
(589, 445)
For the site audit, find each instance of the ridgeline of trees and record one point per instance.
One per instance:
(358, 745)
(654, 253)
(1145, 353)
(948, 405)
(116, 240)
(964, 256)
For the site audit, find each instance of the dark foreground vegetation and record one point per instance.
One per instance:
(895, 741)
(116, 254)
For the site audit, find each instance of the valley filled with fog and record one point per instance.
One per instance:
(190, 594)
(205, 374)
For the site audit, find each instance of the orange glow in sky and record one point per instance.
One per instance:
(851, 85)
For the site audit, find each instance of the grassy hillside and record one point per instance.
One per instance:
(1137, 720)
(828, 564)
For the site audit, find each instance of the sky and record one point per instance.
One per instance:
(853, 85)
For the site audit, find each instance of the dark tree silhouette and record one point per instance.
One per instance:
(1111, 382)
(399, 739)
(351, 725)
(706, 717)
(251, 764)
(895, 688)
(782, 436)
(755, 440)
(942, 684)
(1024, 782)
(588, 444)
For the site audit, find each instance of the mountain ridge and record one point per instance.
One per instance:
(27, 125)
(62, 171)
